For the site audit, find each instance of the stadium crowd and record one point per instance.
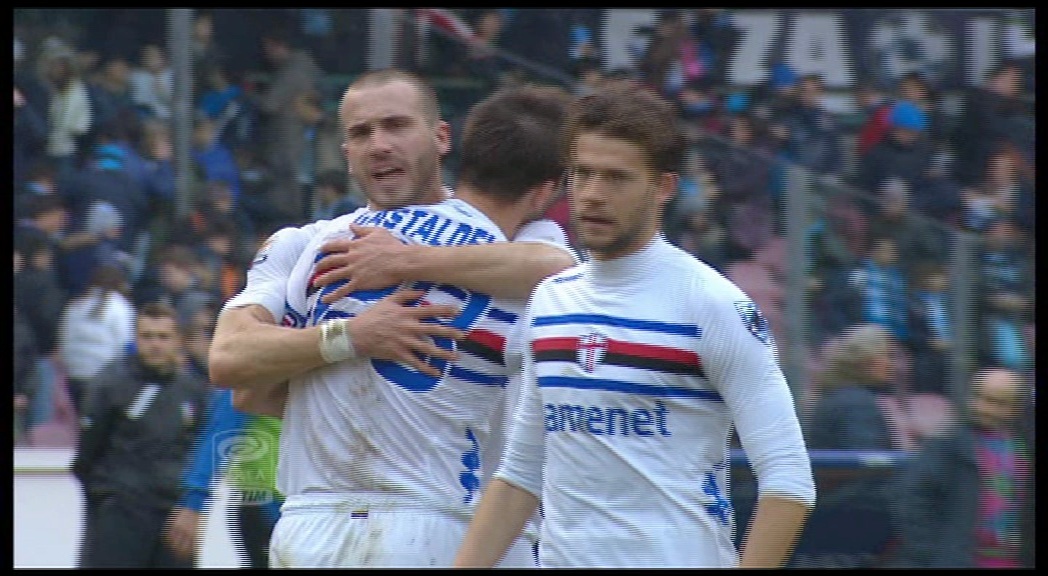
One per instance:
(97, 235)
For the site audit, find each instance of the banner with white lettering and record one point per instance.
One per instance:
(953, 48)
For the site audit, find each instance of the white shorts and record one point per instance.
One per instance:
(334, 536)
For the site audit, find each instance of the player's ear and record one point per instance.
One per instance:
(666, 187)
(442, 135)
(543, 196)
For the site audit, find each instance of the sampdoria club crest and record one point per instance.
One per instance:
(754, 320)
(591, 350)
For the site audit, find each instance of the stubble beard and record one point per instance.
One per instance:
(416, 189)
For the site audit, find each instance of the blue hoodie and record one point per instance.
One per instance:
(223, 423)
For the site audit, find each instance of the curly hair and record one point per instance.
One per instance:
(848, 356)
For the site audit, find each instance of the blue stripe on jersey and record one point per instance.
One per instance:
(297, 320)
(627, 387)
(567, 278)
(502, 315)
(649, 325)
(372, 295)
(454, 291)
(476, 377)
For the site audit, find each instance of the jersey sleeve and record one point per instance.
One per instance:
(548, 232)
(267, 277)
(522, 458)
(742, 364)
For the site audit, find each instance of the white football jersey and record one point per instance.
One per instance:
(380, 430)
(266, 282)
(636, 369)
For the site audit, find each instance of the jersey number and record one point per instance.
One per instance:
(395, 372)
(413, 381)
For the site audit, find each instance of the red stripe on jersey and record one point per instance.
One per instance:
(664, 353)
(653, 351)
(488, 339)
(545, 344)
(316, 274)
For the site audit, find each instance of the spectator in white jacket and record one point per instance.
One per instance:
(95, 328)
(69, 111)
(152, 82)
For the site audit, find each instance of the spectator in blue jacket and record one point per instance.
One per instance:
(225, 432)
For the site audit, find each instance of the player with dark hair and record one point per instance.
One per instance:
(638, 364)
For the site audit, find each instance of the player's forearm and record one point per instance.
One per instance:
(505, 270)
(776, 525)
(247, 352)
(498, 520)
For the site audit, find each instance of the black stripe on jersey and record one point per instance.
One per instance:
(626, 360)
(481, 351)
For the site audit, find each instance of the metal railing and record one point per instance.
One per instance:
(805, 196)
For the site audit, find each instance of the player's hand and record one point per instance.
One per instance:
(366, 261)
(182, 532)
(393, 330)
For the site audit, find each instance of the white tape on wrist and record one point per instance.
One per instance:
(335, 344)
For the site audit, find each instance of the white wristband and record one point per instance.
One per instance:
(335, 344)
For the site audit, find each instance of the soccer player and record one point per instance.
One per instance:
(399, 166)
(410, 468)
(638, 363)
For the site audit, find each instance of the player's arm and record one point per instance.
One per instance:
(511, 497)
(249, 351)
(741, 361)
(263, 402)
(774, 530)
(376, 259)
(499, 518)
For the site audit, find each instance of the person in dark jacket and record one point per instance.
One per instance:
(983, 123)
(848, 416)
(906, 152)
(966, 500)
(858, 370)
(39, 298)
(140, 419)
(30, 136)
(24, 363)
(240, 445)
(108, 179)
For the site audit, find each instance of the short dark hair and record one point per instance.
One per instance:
(109, 277)
(158, 310)
(427, 95)
(622, 110)
(511, 141)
